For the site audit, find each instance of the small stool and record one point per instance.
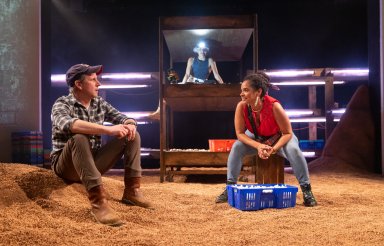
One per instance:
(267, 171)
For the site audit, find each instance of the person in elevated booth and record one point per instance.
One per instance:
(262, 125)
(78, 156)
(199, 67)
(198, 70)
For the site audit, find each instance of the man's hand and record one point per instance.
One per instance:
(121, 131)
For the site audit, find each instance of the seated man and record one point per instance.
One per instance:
(199, 67)
(77, 155)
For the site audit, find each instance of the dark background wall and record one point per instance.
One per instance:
(123, 36)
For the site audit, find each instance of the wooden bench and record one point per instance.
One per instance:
(266, 171)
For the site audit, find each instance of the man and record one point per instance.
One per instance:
(77, 155)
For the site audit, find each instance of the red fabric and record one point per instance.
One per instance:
(268, 125)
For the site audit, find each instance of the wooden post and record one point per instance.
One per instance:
(312, 132)
(329, 105)
(269, 171)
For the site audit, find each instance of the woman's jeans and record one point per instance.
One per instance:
(290, 151)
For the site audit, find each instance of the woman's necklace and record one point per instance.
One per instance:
(257, 110)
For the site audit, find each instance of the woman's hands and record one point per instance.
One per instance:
(264, 151)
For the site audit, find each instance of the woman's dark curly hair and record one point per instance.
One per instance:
(259, 80)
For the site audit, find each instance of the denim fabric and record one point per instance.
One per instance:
(290, 151)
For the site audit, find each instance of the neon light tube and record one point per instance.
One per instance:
(309, 153)
(311, 119)
(351, 72)
(122, 86)
(305, 83)
(290, 73)
(128, 76)
(298, 112)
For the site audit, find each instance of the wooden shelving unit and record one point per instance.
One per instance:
(231, 34)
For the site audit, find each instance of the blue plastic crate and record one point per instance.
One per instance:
(311, 144)
(261, 196)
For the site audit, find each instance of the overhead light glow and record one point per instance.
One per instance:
(200, 32)
(202, 45)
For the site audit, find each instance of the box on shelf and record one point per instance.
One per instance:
(220, 145)
(260, 196)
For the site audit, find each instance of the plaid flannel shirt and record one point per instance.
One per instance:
(67, 110)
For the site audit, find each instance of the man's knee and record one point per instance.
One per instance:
(80, 138)
(136, 141)
(137, 137)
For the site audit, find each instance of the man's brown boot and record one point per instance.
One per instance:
(132, 194)
(101, 210)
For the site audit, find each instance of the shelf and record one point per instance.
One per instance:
(195, 158)
(192, 97)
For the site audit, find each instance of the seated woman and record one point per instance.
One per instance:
(262, 115)
(199, 67)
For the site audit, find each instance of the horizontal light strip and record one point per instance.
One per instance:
(336, 72)
(137, 115)
(138, 122)
(122, 86)
(298, 112)
(200, 32)
(309, 153)
(311, 119)
(305, 83)
(290, 113)
(308, 119)
(58, 78)
(338, 111)
(290, 73)
(127, 76)
(350, 72)
(109, 76)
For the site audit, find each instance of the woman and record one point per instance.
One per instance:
(199, 67)
(268, 118)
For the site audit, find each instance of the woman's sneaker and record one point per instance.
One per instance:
(223, 197)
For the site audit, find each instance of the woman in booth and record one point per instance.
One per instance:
(199, 67)
(198, 70)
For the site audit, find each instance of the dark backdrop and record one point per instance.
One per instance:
(123, 36)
